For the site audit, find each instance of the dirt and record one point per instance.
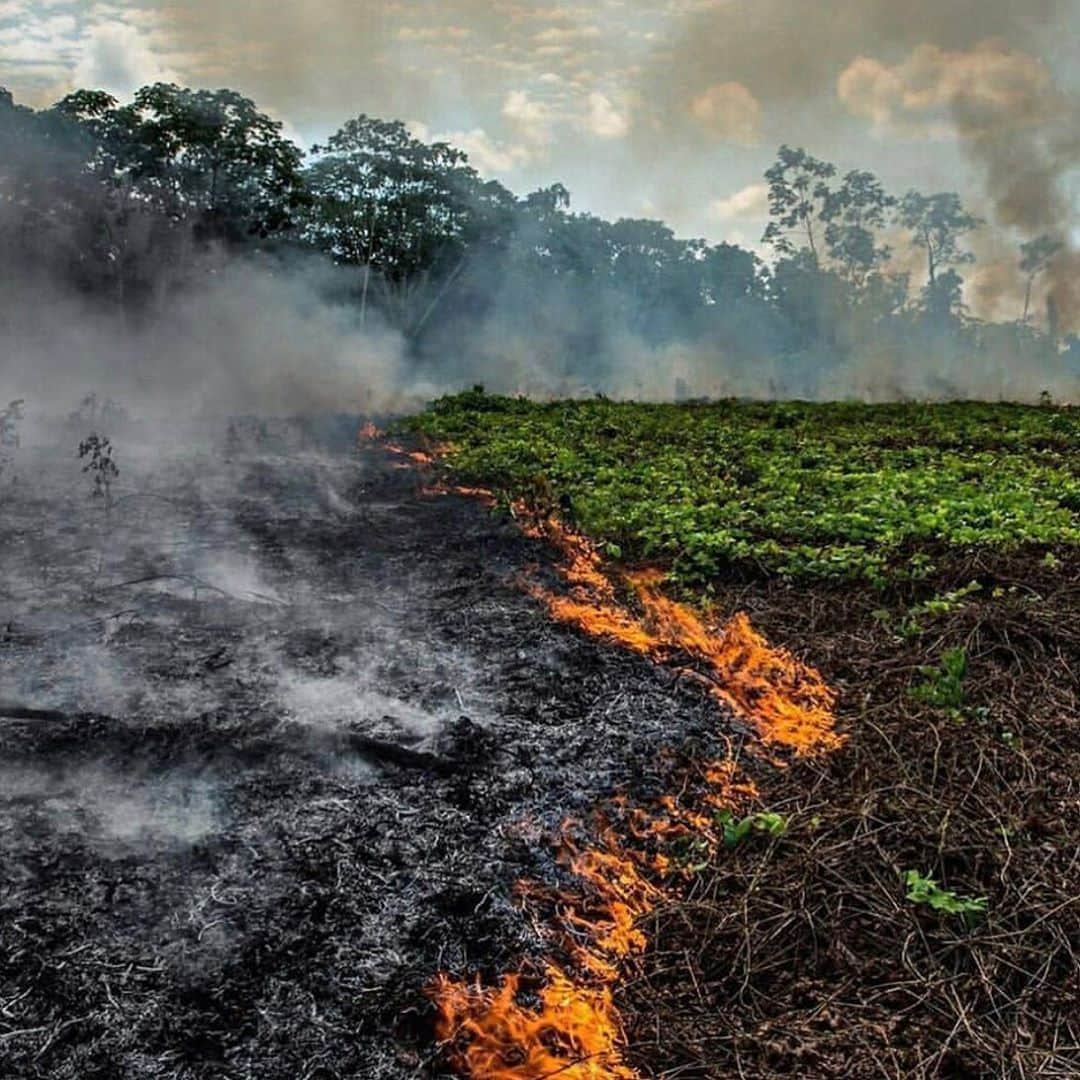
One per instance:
(803, 956)
(279, 731)
(271, 719)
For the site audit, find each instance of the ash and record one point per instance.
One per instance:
(278, 733)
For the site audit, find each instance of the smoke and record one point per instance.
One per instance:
(1015, 122)
(249, 336)
(790, 54)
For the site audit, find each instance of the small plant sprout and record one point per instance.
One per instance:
(943, 686)
(913, 622)
(925, 890)
(737, 830)
(97, 451)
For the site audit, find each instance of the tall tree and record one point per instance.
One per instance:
(798, 193)
(854, 212)
(402, 210)
(938, 223)
(208, 156)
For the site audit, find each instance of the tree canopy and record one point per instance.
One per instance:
(133, 200)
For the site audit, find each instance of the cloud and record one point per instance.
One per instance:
(749, 202)
(557, 35)
(486, 155)
(604, 119)
(729, 111)
(116, 57)
(533, 119)
(936, 91)
(433, 33)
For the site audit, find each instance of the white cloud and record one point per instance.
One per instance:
(531, 118)
(433, 33)
(749, 202)
(116, 57)
(486, 155)
(563, 34)
(604, 119)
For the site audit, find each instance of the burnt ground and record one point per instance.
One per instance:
(270, 725)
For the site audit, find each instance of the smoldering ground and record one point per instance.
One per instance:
(267, 715)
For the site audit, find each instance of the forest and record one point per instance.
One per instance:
(130, 204)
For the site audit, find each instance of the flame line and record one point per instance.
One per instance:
(786, 703)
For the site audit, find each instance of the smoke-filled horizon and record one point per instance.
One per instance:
(186, 254)
(663, 110)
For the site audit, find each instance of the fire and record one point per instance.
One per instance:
(368, 433)
(787, 702)
(411, 457)
(574, 1030)
(574, 1034)
(482, 495)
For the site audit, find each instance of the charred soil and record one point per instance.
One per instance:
(270, 728)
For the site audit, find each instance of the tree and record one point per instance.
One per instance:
(406, 210)
(1035, 256)
(938, 222)
(798, 192)
(852, 212)
(730, 274)
(942, 297)
(205, 156)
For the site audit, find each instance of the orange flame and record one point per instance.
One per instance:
(574, 1034)
(482, 495)
(412, 457)
(788, 703)
(575, 1031)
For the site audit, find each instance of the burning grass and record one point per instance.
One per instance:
(786, 702)
(623, 867)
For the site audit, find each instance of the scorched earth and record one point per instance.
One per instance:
(280, 729)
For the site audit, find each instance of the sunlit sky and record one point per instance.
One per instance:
(660, 108)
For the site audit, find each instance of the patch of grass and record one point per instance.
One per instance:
(943, 685)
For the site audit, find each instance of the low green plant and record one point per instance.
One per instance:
(926, 891)
(736, 830)
(943, 685)
(914, 620)
(837, 491)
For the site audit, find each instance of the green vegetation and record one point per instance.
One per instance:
(943, 686)
(813, 491)
(736, 830)
(925, 890)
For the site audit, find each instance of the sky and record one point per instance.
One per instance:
(642, 108)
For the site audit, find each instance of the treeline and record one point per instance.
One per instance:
(128, 203)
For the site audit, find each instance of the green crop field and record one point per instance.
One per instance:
(809, 491)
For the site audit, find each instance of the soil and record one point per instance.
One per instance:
(279, 731)
(803, 956)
